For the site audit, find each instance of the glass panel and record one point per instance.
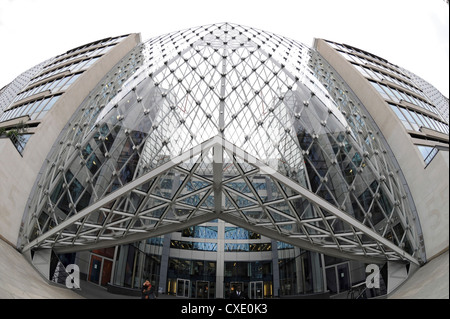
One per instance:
(343, 277)
(95, 269)
(331, 280)
(410, 119)
(425, 150)
(380, 90)
(416, 118)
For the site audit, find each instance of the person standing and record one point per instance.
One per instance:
(146, 290)
(237, 293)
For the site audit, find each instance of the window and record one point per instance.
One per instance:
(380, 90)
(428, 153)
(424, 120)
(410, 118)
(44, 107)
(401, 117)
(417, 119)
(70, 82)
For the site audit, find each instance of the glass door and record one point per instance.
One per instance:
(183, 287)
(343, 277)
(338, 278)
(100, 270)
(256, 290)
(95, 269)
(202, 289)
(332, 285)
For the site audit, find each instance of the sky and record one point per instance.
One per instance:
(413, 34)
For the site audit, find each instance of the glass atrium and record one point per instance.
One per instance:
(233, 147)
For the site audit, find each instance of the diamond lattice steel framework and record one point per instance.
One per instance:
(220, 121)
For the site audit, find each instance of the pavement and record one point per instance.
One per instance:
(20, 280)
(431, 281)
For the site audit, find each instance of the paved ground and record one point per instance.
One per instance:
(428, 282)
(19, 280)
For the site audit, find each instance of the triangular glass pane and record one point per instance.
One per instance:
(278, 217)
(229, 170)
(315, 227)
(272, 191)
(89, 231)
(339, 226)
(283, 208)
(155, 213)
(97, 217)
(241, 201)
(189, 164)
(146, 186)
(165, 185)
(145, 223)
(193, 200)
(258, 215)
(240, 186)
(303, 208)
(209, 202)
(194, 185)
(177, 213)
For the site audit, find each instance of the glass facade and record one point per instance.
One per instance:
(30, 96)
(416, 103)
(219, 138)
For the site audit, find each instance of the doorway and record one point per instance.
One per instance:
(183, 287)
(202, 289)
(100, 270)
(256, 290)
(338, 278)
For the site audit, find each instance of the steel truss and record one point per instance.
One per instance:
(205, 175)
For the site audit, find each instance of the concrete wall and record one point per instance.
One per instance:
(18, 173)
(428, 185)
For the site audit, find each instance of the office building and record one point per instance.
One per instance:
(223, 157)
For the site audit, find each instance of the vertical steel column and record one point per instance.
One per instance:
(220, 261)
(164, 266)
(275, 269)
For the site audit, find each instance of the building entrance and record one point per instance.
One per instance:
(183, 287)
(100, 269)
(256, 290)
(202, 289)
(338, 278)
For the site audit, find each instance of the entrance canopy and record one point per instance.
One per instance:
(217, 180)
(222, 122)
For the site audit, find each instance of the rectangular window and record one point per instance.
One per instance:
(380, 90)
(38, 109)
(409, 117)
(389, 91)
(53, 85)
(27, 108)
(33, 107)
(401, 117)
(60, 84)
(399, 97)
(417, 119)
(424, 120)
(21, 109)
(70, 82)
(14, 112)
(90, 62)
